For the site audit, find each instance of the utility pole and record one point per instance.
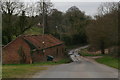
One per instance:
(58, 31)
(43, 16)
(43, 24)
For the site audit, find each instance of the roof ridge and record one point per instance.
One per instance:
(35, 35)
(37, 39)
(12, 41)
(32, 35)
(55, 38)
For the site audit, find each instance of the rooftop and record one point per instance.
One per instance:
(42, 41)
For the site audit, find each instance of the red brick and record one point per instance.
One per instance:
(53, 47)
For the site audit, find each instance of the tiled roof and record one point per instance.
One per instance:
(37, 40)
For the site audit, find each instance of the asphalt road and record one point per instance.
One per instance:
(80, 68)
(86, 68)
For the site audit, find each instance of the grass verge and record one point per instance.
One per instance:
(27, 70)
(109, 61)
(20, 70)
(105, 59)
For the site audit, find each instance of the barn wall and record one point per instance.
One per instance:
(57, 52)
(10, 52)
(38, 56)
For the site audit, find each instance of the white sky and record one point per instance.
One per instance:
(74, 0)
(85, 0)
(89, 7)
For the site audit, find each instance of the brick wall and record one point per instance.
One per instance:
(57, 52)
(10, 52)
(11, 56)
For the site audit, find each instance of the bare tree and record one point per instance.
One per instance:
(106, 8)
(11, 7)
(27, 18)
(17, 18)
(30, 9)
(102, 32)
(44, 9)
(8, 9)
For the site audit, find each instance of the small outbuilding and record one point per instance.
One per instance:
(32, 48)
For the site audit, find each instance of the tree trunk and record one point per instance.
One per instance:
(102, 51)
(102, 47)
(46, 25)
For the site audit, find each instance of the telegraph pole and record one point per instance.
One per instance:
(58, 31)
(43, 24)
(43, 16)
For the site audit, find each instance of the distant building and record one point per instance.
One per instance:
(32, 48)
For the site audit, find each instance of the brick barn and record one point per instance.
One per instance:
(32, 48)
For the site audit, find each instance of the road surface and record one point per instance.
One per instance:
(80, 68)
(84, 69)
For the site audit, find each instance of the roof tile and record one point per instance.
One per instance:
(37, 40)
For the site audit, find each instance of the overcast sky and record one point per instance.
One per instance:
(90, 8)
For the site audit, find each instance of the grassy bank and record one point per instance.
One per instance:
(20, 71)
(105, 59)
(27, 70)
(34, 31)
(109, 61)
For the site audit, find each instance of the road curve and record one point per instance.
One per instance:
(84, 69)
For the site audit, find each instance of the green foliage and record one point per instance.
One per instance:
(7, 28)
(67, 39)
(74, 23)
(17, 27)
(4, 40)
(102, 32)
(34, 31)
(9, 10)
(21, 23)
(114, 51)
(55, 19)
(70, 25)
